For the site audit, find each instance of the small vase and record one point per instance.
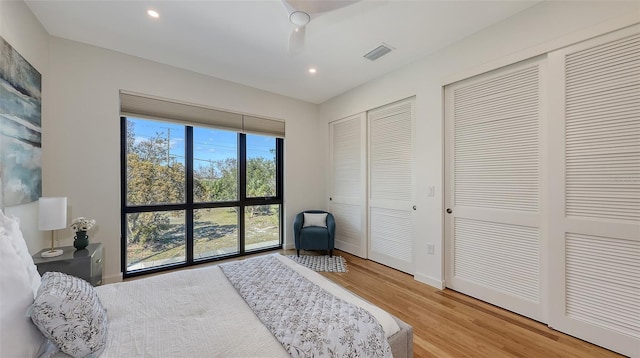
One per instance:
(81, 240)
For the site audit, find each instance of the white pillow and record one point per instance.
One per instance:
(68, 311)
(315, 220)
(12, 229)
(20, 337)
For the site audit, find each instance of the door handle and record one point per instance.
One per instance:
(449, 211)
(414, 207)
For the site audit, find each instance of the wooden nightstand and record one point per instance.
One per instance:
(86, 264)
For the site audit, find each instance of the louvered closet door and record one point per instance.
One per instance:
(348, 186)
(493, 174)
(391, 195)
(595, 292)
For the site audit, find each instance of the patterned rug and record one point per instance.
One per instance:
(321, 263)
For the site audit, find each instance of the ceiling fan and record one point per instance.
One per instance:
(300, 14)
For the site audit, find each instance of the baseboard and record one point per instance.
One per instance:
(112, 279)
(439, 284)
(289, 247)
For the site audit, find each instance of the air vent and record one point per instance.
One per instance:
(377, 52)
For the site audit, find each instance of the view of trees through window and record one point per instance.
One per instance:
(183, 193)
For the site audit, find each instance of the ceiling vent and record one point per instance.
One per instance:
(378, 52)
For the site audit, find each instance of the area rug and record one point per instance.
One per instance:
(321, 263)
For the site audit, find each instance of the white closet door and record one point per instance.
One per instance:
(595, 223)
(347, 200)
(391, 194)
(493, 235)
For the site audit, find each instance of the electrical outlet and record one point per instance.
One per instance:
(431, 191)
(430, 249)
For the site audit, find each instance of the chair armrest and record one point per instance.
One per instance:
(331, 226)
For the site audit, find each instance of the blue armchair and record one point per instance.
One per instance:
(314, 237)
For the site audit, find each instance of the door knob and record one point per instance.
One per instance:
(449, 211)
(414, 207)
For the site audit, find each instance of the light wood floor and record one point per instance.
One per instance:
(449, 324)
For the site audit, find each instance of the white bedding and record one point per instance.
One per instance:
(196, 312)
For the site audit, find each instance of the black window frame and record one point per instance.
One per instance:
(189, 205)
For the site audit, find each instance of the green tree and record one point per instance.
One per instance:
(131, 136)
(261, 177)
(218, 180)
(261, 182)
(153, 177)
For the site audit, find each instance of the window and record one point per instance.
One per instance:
(194, 194)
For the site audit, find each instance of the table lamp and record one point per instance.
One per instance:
(52, 215)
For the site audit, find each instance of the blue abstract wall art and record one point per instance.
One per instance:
(20, 129)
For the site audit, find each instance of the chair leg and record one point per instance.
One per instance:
(330, 253)
(298, 253)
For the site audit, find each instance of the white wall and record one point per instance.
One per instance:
(22, 30)
(535, 31)
(83, 160)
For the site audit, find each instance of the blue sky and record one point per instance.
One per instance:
(209, 144)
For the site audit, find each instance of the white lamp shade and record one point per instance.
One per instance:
(52, 213)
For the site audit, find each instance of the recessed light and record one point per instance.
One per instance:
(153, 13)
(312, 70)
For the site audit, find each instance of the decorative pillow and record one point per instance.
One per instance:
(12, 228)
(315, 220)
(19, 337)
(68, 311)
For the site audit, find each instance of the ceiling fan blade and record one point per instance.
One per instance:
(300, 11)
(317, 6)
(288, 7)
(296, 40)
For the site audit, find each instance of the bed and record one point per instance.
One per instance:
(214, 311)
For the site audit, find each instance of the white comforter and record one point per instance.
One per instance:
(197, 313)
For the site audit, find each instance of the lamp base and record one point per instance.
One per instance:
(51, 253)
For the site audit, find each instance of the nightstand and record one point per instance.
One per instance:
(86, 264)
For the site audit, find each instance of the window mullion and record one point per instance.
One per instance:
(279, 168)
(242, 178)
(189, 194)
(123, 195)
(280, 183)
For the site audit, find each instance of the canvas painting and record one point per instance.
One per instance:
(20, 129)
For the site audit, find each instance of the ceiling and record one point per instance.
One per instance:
(247, 41)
